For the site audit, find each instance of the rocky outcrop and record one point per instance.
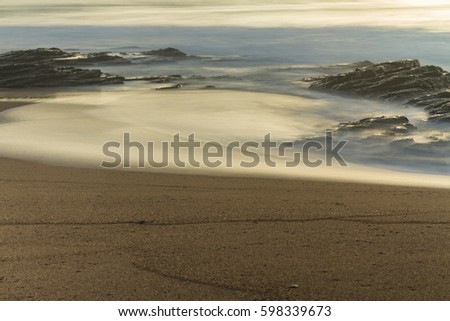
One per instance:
(392, 125)
(403, 81)
(33, 56)
(47, 75)
(48, 68)
(166, 52)
(57, 56)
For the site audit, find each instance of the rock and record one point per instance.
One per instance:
(396, 80)
(166, 52)
(403, 81)
(40, 55)
(364, 63)
(197, 77)
(165, 79)
(441, 113)
(57, 56)
(177, 86)
(392, 125)
(157, 79)
(47, 75)
(437, 105)
(292, 286)
(48, 67)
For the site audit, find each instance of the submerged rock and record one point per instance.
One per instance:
(364, 63)
(97, 58)
(404, 81)
(392, 125)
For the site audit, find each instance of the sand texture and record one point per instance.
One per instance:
(79, 234)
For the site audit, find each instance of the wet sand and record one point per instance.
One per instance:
(5, 105)
(79, 234)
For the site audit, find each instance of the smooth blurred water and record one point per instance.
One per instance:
(261, 45)
(271, 60)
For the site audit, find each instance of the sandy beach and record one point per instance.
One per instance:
(82, 234)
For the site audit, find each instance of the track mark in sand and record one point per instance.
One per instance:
(356, 219)
(72, 223)
(176, 187)
(199, 282)
(394, 222)
(86, 183)
(307, 220)
(56, 255)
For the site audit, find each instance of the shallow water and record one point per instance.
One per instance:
(253, 60)
(71, 129)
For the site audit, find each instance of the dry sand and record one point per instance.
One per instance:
(79, 234)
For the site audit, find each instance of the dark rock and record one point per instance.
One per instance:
(48, 67)
(177, 86)
(364, 63)
(57, 56)
(403, 81)
(441, 114)
(437, 105)
(392, 125)
(166, 52)
(396, 80)
(165, 79)
(197, 77)
(157, 79)
(402, 143)
(47, 75)
(40, 55)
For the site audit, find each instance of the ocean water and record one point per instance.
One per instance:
(71, 128)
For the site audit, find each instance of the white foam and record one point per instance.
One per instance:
(70, 130)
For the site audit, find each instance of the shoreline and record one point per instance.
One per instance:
(80, 234)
